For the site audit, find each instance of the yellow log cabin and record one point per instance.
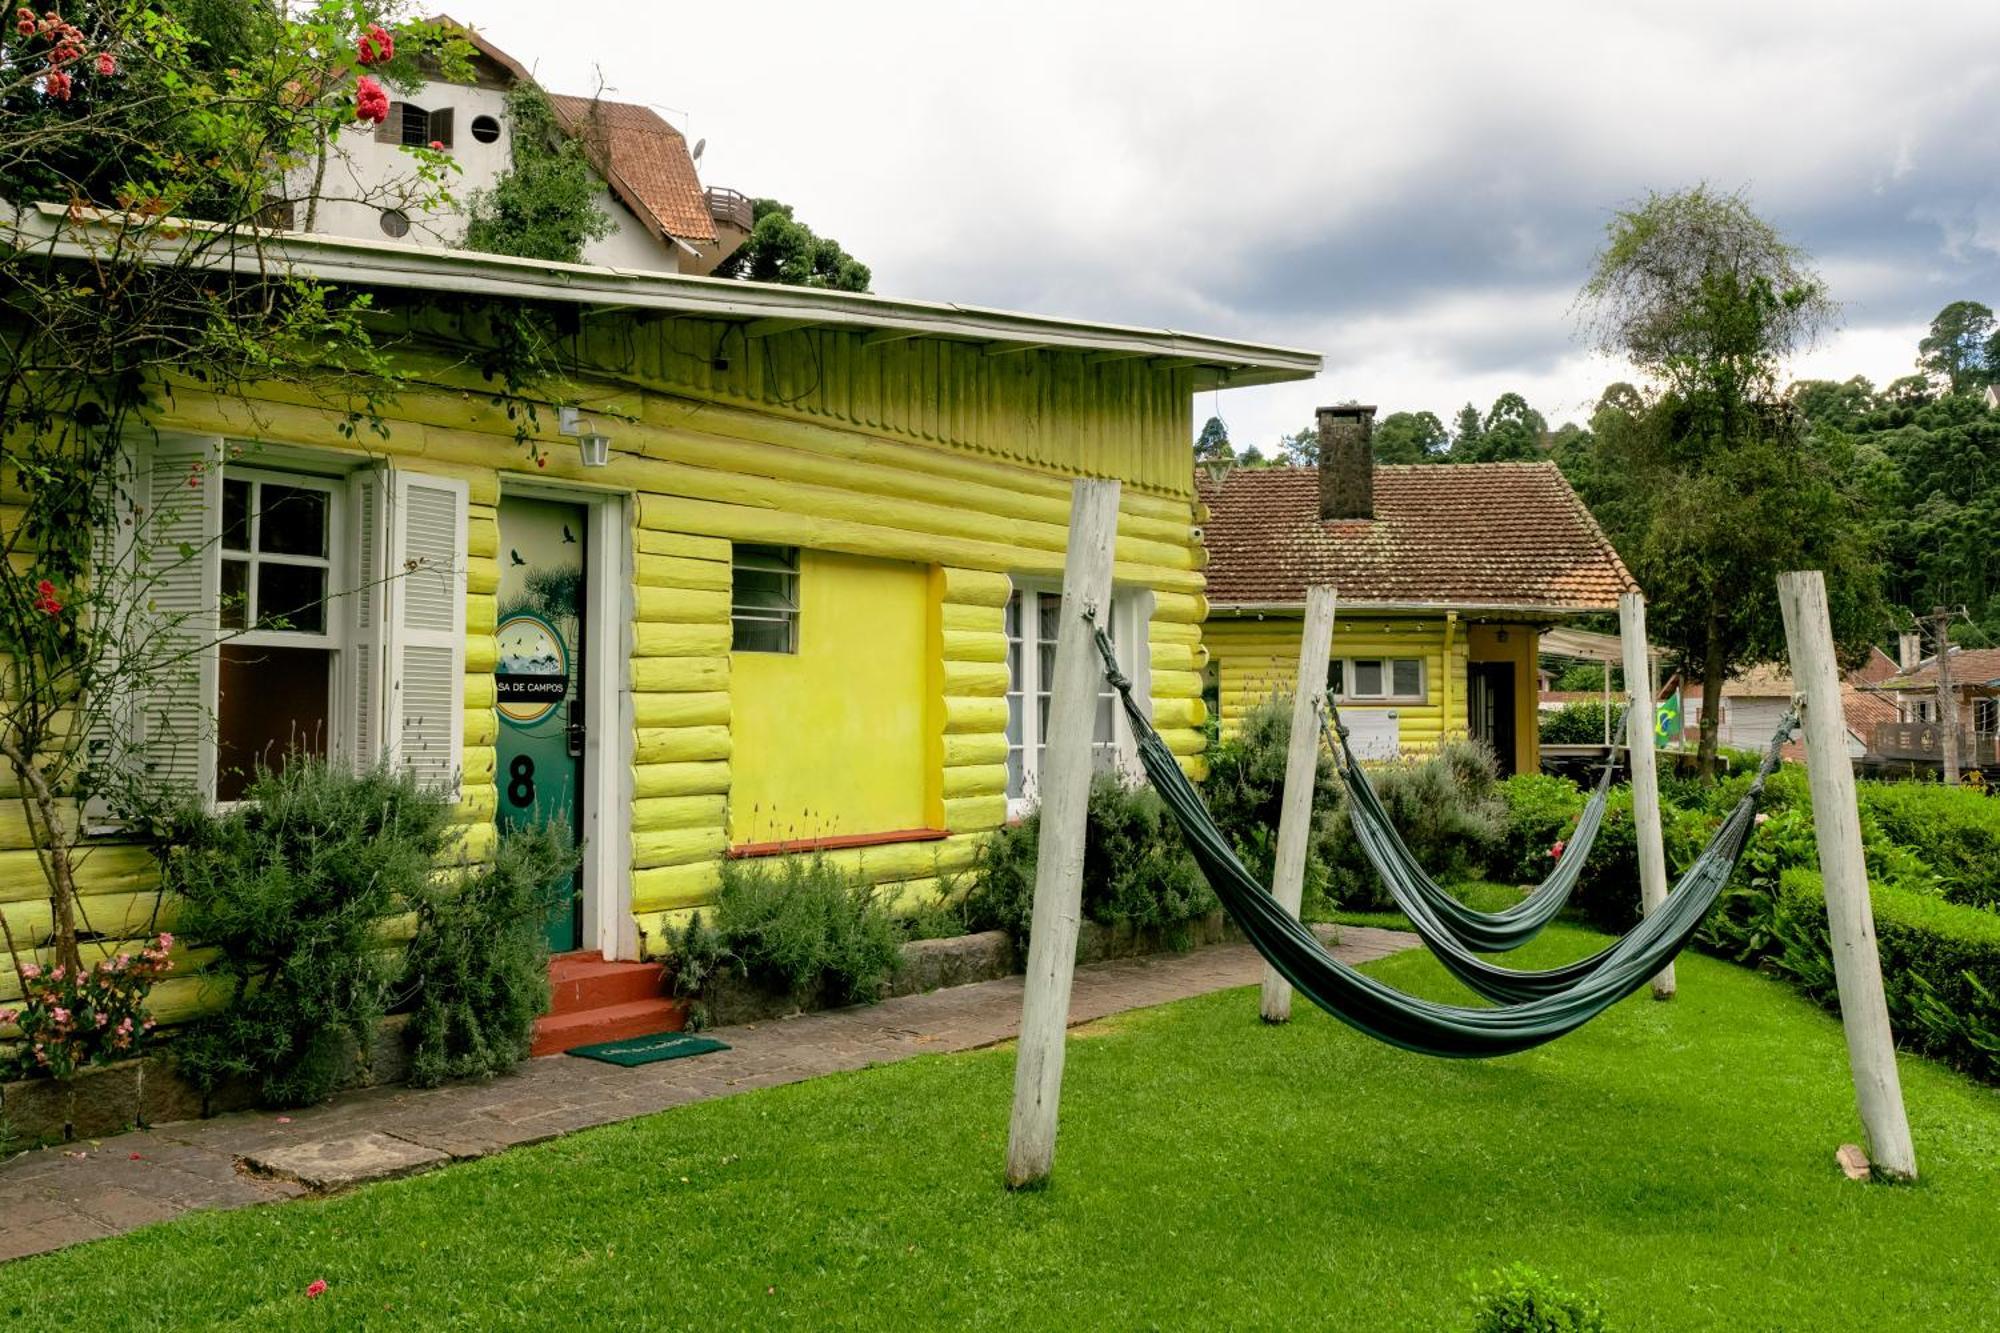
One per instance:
(781, 576)
(1446, 576)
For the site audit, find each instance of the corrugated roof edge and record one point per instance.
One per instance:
(365, 263)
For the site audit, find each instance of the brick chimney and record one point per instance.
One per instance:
(1346, 462)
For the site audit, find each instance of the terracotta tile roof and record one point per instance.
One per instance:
(1969, 666)
(644, 160)
(1452, 535)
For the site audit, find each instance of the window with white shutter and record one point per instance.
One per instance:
(178, 583)
(424, 601)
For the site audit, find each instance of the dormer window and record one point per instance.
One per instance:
(414, 127)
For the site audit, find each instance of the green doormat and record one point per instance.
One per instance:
(645, 1050)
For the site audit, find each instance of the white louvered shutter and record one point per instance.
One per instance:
(368, 674)
(112, 725)
(179, 590)
(425, 600)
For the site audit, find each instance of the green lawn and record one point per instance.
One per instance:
(1213, 1173)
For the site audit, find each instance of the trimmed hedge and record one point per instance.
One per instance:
(1955, 830)
(1940, 966)
(1448, 807)
(1541, 811)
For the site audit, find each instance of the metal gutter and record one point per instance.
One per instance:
(1423, 608)
(383, 264)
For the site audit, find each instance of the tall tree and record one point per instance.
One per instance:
(1511, 432)
(1707, 299)
(1465, 430)
(785, 250)
(1410, 437)
(1212, 445)
(1955, 350)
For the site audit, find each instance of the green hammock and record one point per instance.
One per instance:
(1501, 984)
(1386, 1013)
(1415, 891)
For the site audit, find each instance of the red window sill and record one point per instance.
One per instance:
(839, 842)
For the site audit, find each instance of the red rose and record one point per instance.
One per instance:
(105, 64)
(57, 85)
(370, 101)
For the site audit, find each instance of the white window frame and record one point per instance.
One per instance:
(332, 639)
(1128, 632)
(1989, 709)
(788, 617)
(1388, 694)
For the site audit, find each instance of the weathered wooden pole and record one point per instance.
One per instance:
(1857, 966)
(1288, 878)
(1947, 700)
(1065, 792)
(1642, 761)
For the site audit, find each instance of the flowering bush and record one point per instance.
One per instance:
(71, 1018)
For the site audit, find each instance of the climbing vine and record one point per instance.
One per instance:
(546, 206)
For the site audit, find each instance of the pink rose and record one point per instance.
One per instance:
(370, 101)
(106, 65)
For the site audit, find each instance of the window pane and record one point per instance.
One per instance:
(235, 594)
(416, 126)
(291, 597)
(1336, 677)
(271, 703)
(1049, 617)
(784, 559)
(1409, 677)
(1368, 677)
(1014, 774)
(761, 636)
(1107, 709)
(761, 590)
(1014, 719)
(1013, 616)
(291, 520)
(235, 515)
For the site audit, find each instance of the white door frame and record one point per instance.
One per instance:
(606, 822)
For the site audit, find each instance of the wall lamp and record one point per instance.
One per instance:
(593, 443)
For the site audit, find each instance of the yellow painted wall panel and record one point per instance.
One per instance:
(683, 545)
(673, 675)
(706, 709)
(701, 606)
(857, 686)
(678, 745)
(100, 868)
(678, 812)
(975, 780)
(680, 779)
(673, 847)
(670, 571)
(975, 679)
(680, 640)
(971, 646)
(979, 619)
(963, 715)
(968, 814)
(976, 587)
(988, 748)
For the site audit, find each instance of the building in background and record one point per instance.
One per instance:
(662, 218)
(1446, 577)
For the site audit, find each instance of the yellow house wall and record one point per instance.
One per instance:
(832, 740)
(934, 455)
(1257, 658)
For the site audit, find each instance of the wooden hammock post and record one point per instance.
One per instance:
(1645, 769)
(1065, 792)
(1288, 879)
(1857, 966)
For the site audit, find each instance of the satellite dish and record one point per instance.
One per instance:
(699, 144)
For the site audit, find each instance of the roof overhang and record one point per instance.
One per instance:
(347, 261)
(1524, 611)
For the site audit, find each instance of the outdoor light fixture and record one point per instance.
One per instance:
(593, 443)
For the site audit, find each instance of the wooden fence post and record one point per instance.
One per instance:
(1857, 966)
(1288, 877)
(1639, 751)
(1065, 794)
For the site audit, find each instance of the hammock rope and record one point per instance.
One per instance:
(1416, 892)
(1385, 1013)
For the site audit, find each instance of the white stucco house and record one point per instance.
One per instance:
(663, 219)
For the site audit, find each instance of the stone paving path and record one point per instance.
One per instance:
(55, 1197)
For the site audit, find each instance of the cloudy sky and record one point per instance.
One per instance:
(1413, 189)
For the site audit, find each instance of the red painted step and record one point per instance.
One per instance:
(579, 981)
(592, 1000)
(614, 1022)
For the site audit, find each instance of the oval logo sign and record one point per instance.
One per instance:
(531, 675)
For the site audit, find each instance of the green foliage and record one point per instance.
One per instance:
(1957, 347)
(697, 955)
(545, 206)
(1517, 1299)
(1580, 722)
(799, 924)
(1578, 676)
(1607, 891)
(1447, 806)
(782, 249)
(1245, 792)
(477, 969)
(1136, 869)
(1510, 432)
(1940, 966)
(292, 888)
(1212, 445)
(1411, 437)
(1955, 831)
(1541, 812)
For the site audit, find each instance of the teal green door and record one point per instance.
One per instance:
(537, 680)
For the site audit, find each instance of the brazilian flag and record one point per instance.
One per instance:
(1667, 719)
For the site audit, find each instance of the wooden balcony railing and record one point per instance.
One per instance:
(730, 206)
(1924, 742)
